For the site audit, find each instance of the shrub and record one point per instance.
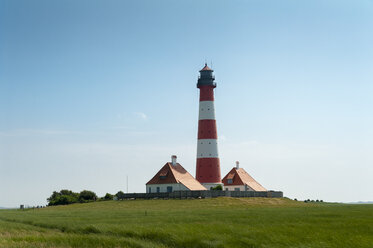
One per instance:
(217, 187)
(87, 195)
(108, 197)
(120, 195)
(63, 197)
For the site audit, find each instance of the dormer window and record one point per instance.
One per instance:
(163, 175)
(230, 178)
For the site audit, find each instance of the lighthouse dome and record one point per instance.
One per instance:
(206, 68)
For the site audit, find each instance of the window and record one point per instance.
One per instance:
(230, 181)
(236, 189)
(169, 189)
(163, 175)
(158, 190)
(150, 190)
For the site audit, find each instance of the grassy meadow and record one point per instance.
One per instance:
(217, 222)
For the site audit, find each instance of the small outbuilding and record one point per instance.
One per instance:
(239, 180)
(172, 177)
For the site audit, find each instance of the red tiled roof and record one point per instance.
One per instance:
(230, 175)
(163, 173)
(206, 68)
(176, 174)
(241, 177)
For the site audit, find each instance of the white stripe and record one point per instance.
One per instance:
(206, 110)
(207, 148)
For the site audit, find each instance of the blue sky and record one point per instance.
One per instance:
(93, 91)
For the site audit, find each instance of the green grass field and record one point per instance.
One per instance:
(218, 222)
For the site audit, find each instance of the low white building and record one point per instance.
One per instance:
(172, 177)
(239, 180)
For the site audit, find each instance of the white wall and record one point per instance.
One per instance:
(207, 148)
(163, 187)
(209, 185)
(206, 110)
(241, 187)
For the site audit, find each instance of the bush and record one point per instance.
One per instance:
(63, 197)
(120, 195)
(87, 195)
(108, 197)
(65, 200)
(217, 187)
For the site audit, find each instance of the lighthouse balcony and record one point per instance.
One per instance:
(207, 77)
(206, 84)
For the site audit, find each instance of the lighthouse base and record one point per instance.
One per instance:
(209, 186)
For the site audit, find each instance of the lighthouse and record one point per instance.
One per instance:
(208, 164)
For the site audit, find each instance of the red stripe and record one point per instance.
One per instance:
(207, 129)
(208, 170)
(206, 93)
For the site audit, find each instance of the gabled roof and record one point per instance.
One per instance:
(176, 174)
(241, 177)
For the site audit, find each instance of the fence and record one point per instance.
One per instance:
(202, 194)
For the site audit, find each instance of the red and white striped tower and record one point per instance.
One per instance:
(208, 164)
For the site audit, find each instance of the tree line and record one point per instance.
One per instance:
(65, 197)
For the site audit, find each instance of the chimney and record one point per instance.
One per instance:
(237, 165)
(173, 160)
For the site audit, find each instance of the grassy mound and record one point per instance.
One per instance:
(217, 222)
